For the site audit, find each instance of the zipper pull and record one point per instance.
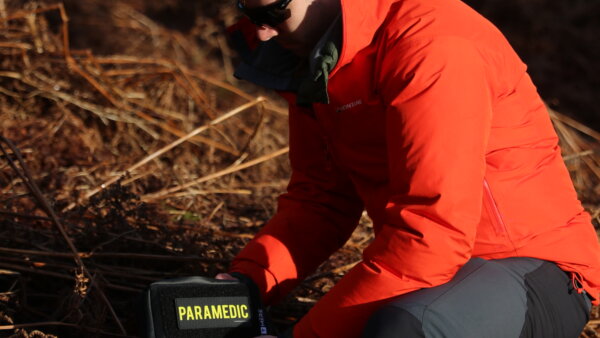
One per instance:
(577, 282)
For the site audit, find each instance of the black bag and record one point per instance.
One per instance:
(204, 307)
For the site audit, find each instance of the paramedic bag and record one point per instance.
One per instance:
(204, 307)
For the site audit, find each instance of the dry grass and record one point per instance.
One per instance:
(142, 160)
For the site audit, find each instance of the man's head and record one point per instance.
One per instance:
(296, 24)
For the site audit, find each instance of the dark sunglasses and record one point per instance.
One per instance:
(271, 15)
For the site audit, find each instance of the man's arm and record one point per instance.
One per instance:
(437, 126)
(314, 218)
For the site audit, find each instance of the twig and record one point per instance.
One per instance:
(214, 211)
(199, 96)
(578, 155)
(21, 215)
(10, 93)
(576, 148)
(179, 133)
(268, 105)
(87, 255)
(136, 71)
(226, 55)
(214, 230)
(2, 11)
(232, 169)
(253, 134)
(22, 326)
(574, 124)
(192, 192)
(12, 75)
(19, 45)
(33, 30)
(65, 31)
(24, 13)
(60, 275)
(38, 271)
(344, 268)
(157, 257)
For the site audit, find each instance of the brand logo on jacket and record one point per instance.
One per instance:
(348, 106)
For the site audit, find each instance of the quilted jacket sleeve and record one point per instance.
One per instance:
(314, 218)
(438, 121)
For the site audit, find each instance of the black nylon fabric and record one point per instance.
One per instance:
(392, 321)
(554, 308)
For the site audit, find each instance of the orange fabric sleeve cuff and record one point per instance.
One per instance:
(263, 278)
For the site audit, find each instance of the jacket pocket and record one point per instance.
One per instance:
(492, 208)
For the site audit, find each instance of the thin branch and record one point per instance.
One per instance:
(3, 14)
(232, 169)
(574, 124)
(567, 138)
(22, 326)
(18, 45)
(193, 192)
(21, 215)
(579, 155)
(54, 323)
(87, 255)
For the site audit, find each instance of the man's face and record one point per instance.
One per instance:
(295, 33)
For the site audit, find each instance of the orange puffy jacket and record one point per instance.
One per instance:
(435, 128)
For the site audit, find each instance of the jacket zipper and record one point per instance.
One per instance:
(496, 217)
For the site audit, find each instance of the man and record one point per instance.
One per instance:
(421, 113)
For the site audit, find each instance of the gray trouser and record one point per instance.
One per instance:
(504, 298)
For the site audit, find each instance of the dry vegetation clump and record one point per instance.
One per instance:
(142, 159)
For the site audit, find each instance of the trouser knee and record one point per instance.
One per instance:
(391, 322)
